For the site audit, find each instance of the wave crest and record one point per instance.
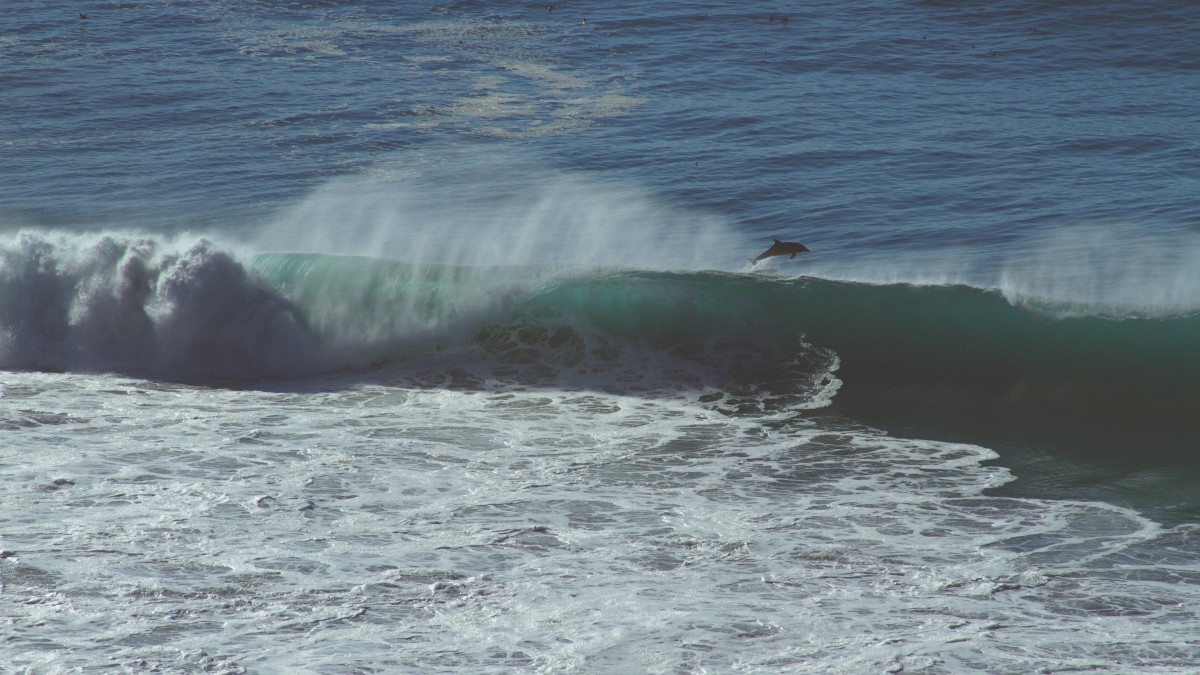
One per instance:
(143, 306)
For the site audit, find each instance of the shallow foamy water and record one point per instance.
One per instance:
(438, 521)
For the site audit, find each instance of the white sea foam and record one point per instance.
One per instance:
(164, 306)
(491, 527)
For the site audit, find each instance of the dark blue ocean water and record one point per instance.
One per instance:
(326, 231)
(877, 126)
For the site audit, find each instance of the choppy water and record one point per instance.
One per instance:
(348, 337)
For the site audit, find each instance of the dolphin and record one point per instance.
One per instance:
(780, 248)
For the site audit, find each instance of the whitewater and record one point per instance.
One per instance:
(346, 338)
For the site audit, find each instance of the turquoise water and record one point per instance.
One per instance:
(421, 337)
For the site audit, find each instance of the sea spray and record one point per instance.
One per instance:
(489, 207)
(1112, 270)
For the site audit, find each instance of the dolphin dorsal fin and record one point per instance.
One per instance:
(776, 240)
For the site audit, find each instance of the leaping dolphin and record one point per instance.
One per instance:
(780, 248)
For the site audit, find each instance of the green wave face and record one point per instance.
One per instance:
(350, 301)
(957, 359)
(944, 337)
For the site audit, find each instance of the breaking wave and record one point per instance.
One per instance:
(194, 311)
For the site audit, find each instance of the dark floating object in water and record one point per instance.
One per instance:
(83, 15)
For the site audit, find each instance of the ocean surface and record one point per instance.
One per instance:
(348, 337)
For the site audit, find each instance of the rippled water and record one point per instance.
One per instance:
(347, 337)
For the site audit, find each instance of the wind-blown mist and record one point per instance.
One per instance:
(1075, 270)
(484, 209)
